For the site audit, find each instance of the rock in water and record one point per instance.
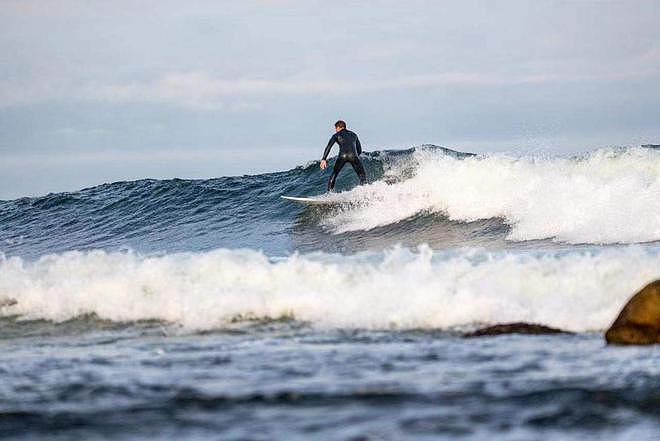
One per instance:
(515, 328)
(639, 321)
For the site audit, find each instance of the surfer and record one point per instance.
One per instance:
(349, 151)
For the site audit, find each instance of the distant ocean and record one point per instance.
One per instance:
(213, 309)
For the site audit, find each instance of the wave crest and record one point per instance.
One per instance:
(607, 196)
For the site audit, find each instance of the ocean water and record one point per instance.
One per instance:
(213, 309)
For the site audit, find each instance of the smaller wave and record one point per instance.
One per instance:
(607, 196)
(399, 288)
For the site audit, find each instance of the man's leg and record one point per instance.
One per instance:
(339, 164)
(359, 169)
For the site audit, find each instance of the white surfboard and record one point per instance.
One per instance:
(310, 201)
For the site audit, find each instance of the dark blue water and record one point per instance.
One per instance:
(213, 309)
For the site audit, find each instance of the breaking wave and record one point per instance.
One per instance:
(607, 196)
(422, 195)
(578, 290)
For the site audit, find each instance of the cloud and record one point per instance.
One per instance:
(200, 90)
(232, 55)
(15, 92)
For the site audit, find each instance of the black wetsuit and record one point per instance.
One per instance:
(349, 151)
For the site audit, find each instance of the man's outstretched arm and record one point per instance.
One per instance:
(358, 145)
(332, 141)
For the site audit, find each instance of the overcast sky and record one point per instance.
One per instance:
(98, 91)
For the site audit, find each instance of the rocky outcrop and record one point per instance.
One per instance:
(515, 328)
(639, 321)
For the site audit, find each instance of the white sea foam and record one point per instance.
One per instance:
(576, 290)
(608, 196)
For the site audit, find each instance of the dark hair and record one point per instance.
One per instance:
(341, 124)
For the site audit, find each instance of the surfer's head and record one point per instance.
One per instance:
(340, 125)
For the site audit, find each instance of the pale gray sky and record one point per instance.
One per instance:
(97, 91)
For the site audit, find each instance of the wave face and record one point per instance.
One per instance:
(578, 290)
(423, 195)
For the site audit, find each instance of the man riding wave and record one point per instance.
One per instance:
(349, 151)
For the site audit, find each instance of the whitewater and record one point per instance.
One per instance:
(396, 289)
(582, 199)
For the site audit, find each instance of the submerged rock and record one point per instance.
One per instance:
(638, 322)
(515, 328)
